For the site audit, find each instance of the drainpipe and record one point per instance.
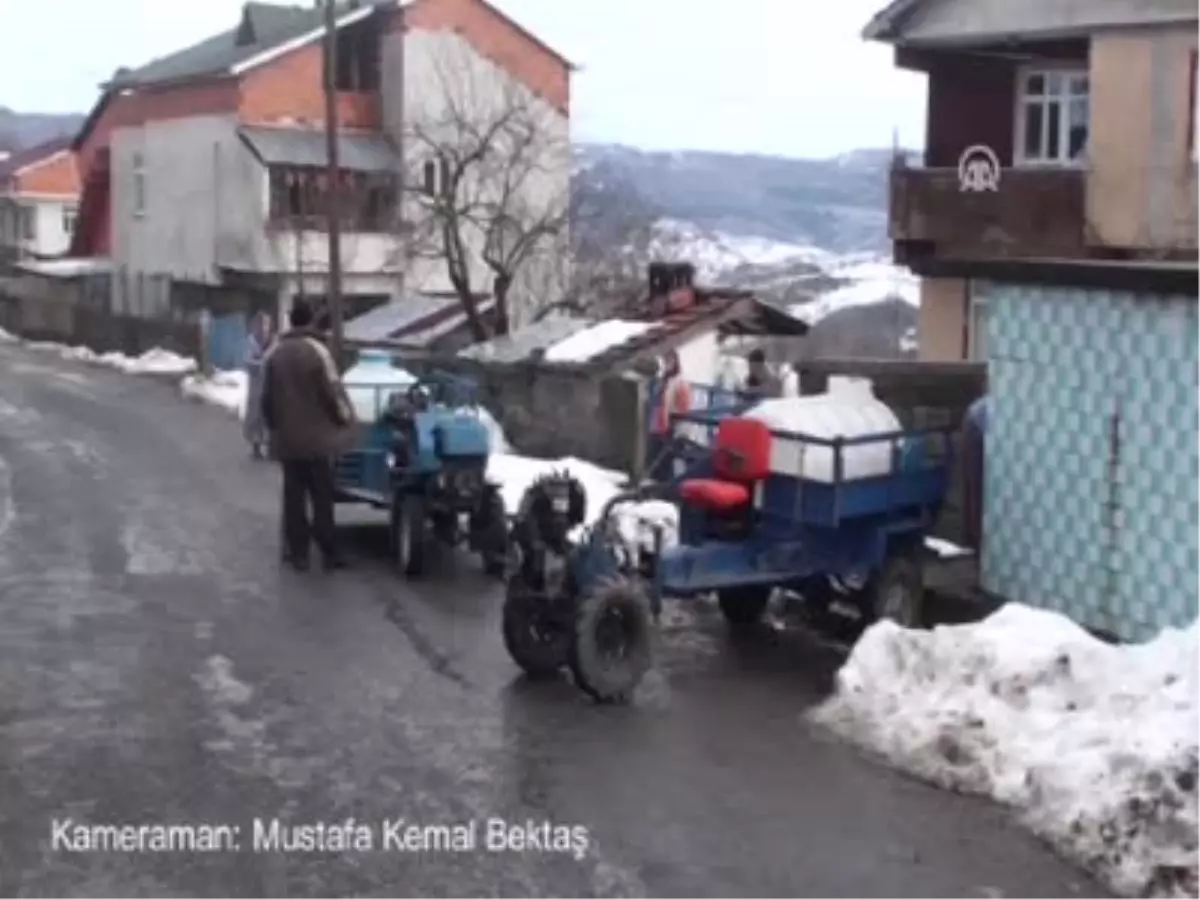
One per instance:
(966, 320)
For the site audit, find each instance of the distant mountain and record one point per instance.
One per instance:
(838, 204)
(21, 130)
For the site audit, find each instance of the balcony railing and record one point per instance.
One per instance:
(1032, 213)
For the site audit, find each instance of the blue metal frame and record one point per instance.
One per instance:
(846, 527)
(367, 474)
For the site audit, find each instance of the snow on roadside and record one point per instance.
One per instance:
(225, 390)
(155, 361)
(1094, 744)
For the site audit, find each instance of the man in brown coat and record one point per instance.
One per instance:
(311, 421)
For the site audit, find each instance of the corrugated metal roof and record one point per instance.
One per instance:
(306, 147)
(384, 321)
(524, 342)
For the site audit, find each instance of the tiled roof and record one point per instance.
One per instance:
(10, 164)
(306, 147)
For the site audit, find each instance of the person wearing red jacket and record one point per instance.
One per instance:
(674, 397)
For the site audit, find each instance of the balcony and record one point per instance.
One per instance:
(1032, 213)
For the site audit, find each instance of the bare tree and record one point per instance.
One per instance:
(491, 198)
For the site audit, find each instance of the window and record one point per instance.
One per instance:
(357, 59)
(300, 199)
(1194, 109)
(28, 222)
(69, 214)
(435, 176)
(1052, 116)
(139, 185)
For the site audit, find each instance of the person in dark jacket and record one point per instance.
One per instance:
(761, 383)
(311, 421)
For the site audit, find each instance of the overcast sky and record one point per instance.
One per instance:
(788, 77)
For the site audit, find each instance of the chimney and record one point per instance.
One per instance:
(672, 287)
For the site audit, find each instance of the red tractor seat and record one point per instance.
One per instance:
(741, 458)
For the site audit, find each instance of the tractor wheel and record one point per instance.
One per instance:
(536, 639)
(491, 530)
(896, 592)
(409, 525)
(744, 606)
(612, 647)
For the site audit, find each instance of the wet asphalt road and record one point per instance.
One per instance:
(157, 667)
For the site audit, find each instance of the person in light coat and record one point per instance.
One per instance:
(258, 345)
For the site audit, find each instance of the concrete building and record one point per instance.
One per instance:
(1089, 113)
(207, 166)
(1054, 223)
(39, 199)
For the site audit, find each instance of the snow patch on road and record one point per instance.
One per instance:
(1094, 744)
(224, 390)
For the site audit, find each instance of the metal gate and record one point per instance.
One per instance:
(227, 336)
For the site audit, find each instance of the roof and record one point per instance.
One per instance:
(263, 27)
(937, 22)
(525, 343)
(295, 146)
(65, 267)
(22, 159)
(415, 319)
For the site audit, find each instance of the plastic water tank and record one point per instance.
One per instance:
(369, 382)
(849, 409)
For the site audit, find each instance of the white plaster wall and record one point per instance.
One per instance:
(445, 83)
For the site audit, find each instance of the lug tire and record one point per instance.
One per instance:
(618, 610)
(533, 639)
(408, 534)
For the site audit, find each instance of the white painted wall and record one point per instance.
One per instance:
(206, 204)
(445, 83)
(50, 236)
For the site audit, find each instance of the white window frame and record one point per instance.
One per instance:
(138, 167)
(27, 230)
(70, 215)
(1067, 72)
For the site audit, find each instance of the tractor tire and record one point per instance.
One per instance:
(612, 646)
(492, 534)
(409, 534)
(896, 592)
(536, 640)
(744, 606)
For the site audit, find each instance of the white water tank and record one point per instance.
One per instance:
(369, 382)
(848, 408)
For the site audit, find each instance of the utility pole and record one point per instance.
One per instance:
(334, 179)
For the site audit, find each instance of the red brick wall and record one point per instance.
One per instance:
(292, 87)
(57, 175)
(500, 40)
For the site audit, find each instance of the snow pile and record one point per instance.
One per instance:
(7, 337)
(594, 340)
(1094, 744)
(155, 361)
(226, 390)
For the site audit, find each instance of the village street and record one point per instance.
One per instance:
(157, 667)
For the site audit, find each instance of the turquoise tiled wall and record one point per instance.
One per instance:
(1108, 538)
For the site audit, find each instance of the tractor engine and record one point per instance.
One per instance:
(551, 508)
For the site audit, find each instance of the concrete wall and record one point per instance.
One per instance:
(450, 91)
(1142, 184)
(942, 319)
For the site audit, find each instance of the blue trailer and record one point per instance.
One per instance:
(744, 531)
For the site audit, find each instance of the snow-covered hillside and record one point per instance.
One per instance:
(813, 282)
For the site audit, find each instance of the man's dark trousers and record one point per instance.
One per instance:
(305, 482)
